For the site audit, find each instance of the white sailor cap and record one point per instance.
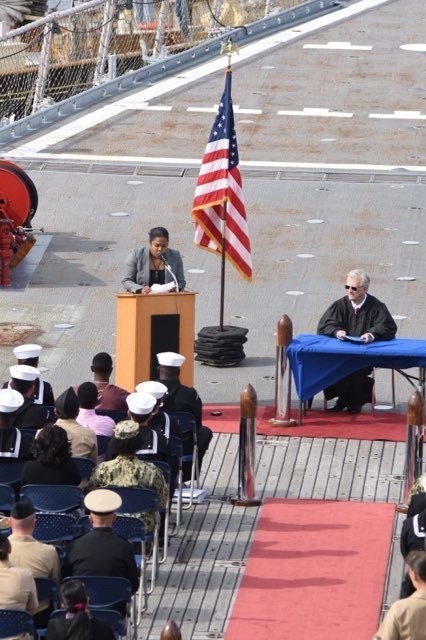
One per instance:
(25, 351)
(170, 359)
(156, 389)
(24, 372)
(141, 403)
(102, 501)
(10, 400)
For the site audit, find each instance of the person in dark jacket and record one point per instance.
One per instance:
(183, 398)
(358, 314)
(29, 414)
(101, 552)
(52, 462)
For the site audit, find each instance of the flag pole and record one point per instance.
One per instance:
(228, 48)
(222, 269)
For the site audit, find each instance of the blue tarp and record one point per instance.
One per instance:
(318, 361)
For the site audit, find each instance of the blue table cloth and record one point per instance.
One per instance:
(317, 361)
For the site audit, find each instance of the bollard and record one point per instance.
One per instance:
(283, 376)
(414, 445)
(171, 631)
(247, 451)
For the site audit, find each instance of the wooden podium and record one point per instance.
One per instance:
(147, 325)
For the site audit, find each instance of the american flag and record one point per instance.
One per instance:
(220, 182)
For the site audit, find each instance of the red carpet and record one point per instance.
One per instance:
(384, 425)
(316, 571)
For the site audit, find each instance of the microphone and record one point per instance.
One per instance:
(169, 269)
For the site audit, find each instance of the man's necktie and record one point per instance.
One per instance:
(356, 310)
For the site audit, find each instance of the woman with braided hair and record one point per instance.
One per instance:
(77, 624)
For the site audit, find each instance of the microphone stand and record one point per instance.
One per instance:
(169, 269)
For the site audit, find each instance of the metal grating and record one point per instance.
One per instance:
(163, 171)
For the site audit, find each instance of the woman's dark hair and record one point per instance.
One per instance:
(416, 560)
(74, 601)
(158, 232)
(4, 547)
(126, 447)
(51, 447)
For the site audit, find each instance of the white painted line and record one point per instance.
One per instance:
(256, 164)
(343, 46)
(399, 115)
(215, 107)
(191, 75)
(318, 112)
(413, 47)
(144, 106)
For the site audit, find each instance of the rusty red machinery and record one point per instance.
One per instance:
(18, 204)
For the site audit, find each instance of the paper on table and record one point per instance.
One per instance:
(354, 339)
(162, 288)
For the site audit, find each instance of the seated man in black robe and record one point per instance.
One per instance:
(357, 314)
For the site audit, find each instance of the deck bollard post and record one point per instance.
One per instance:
(414, 445)
(283, 376)
(246, 496)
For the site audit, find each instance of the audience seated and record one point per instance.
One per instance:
(183, 398)
(101, 552)
(52, 462)
(77, 624)
(27, 553)
(29, 413)
(126, 470)
(110, 396)
(83, 440)
(87, 395)
(13, 445)
(17, 586)
(29, 354)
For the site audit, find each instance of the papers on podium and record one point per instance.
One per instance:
(162, 288)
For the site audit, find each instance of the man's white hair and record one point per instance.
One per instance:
(361, 275)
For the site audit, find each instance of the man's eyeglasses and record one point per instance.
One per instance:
(347, 286)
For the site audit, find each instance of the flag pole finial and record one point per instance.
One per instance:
(228, 48)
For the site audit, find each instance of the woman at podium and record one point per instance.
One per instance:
(155, 267)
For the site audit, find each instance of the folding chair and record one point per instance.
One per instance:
(7, 497)
(188, 425)
(106, 592)
(11, 471)
(54, 528)
(176, 449)
(85, 467)
(103, 442)
(117, 416)
(111, 617)
(14, 622)
(136, 500)
(133, 530)
(54, 498)
(47, 589)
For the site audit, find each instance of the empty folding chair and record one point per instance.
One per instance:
(55, 498)
(57, 528)
(188, 428)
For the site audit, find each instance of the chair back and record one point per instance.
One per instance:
(54, 527)
(105, 591)
(14, 622)
(117, 416)
(186, 421)
(164, 468)
(85, 467)
(103, 442)
(29, 432)
(128, 527)
(11, 471)
(135, 499)
(47, 589)
(176, 447)
(7, 497)
(112, 618)
(55, 498)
